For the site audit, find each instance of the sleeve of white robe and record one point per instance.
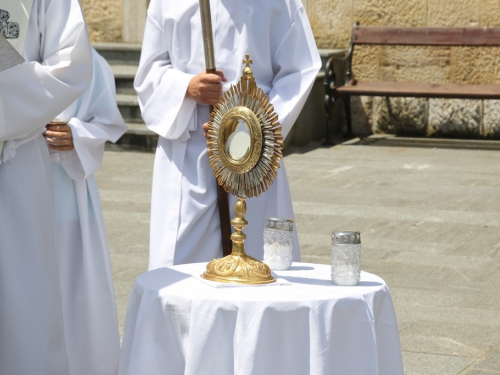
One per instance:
(33, 93)
(98, 120)
(296, 63)
(160, 87)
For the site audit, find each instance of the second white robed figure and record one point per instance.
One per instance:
(89, 309)
(277, 36)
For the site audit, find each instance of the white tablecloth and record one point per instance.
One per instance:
(178, 325)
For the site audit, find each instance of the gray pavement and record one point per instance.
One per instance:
(430, 224)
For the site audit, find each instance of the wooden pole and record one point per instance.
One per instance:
(222, 198)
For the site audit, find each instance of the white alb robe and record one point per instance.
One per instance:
(277, 35)
(89, 308)
(57, 70)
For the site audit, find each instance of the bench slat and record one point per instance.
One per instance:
(418, 89)
(427, 36)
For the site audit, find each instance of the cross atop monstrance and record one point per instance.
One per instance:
(248, 61)
(247, 71)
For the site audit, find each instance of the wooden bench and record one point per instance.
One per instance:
(407, 36)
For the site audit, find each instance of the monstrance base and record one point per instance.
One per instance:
(238, 269)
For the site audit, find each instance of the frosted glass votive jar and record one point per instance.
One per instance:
(346, 258)
(278, 235)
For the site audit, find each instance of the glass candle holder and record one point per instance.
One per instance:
(278, 235)
(346, 258)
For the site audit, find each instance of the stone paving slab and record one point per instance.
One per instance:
(430, 224)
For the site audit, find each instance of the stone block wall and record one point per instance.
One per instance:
(104, 19)
(115, 20)
(332, 22)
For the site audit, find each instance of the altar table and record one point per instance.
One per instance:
(177, 324)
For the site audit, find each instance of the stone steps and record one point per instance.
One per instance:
(124, 61)
(124, 78)
(129, 108)
(138, 137)
(119, 53)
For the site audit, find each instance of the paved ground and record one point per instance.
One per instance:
(430, 224)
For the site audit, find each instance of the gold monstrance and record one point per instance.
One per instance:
(245, 147)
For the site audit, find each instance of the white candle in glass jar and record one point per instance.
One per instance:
(277, 256)
(278, 235)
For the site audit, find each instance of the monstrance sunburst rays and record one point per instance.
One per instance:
(243, 118)
(257, 180)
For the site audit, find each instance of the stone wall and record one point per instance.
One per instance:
(104, 19)
(332, 22)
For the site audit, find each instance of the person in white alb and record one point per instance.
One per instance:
(58, 69)
(174, 94)
(76, 151)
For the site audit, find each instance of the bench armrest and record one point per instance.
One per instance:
(330, 77)
(330, 69)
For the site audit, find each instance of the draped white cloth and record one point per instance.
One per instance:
(178, 325)
(277, 35)
(89, 309)
(57, 71)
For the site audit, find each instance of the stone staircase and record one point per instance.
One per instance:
(124, 60)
